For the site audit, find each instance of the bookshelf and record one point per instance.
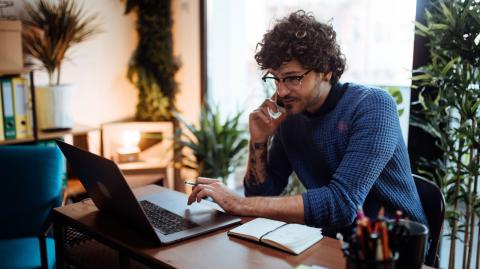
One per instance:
(39, 135)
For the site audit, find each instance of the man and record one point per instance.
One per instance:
(342, 140)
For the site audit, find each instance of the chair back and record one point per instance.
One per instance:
(31, 178)
(433, 204)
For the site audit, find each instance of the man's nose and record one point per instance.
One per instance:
(282, 90)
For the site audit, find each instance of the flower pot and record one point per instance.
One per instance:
(54, 106)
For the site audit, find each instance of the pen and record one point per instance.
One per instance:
(191, 183)
(380, 220)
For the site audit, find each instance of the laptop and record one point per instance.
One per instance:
(164, 217)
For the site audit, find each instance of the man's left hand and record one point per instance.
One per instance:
(220, 193)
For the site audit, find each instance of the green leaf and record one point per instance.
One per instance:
(422, 77)
(422, 29)
(447, 13)
(439, 26)
(448, 66)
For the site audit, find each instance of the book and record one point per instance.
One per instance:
(290, 237)
(19, 85)
(8, 108)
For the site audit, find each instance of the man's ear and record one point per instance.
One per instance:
(327, 76)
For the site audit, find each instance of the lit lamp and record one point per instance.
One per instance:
(129, 152)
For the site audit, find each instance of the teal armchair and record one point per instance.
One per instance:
(31, 186)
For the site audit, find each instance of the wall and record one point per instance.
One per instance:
(98, 66)
(186, 39)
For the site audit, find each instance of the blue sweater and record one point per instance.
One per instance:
(351, 155)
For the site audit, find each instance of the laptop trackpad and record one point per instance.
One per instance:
(177, 203)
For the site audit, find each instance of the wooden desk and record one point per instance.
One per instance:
(82, 233)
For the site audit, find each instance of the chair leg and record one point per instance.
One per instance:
(43, 251)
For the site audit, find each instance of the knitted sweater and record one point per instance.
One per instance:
(350, 155)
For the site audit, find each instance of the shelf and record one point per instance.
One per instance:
(12, 72)
(150, 165)
(48, 135)
(78, 129)
(17, 141)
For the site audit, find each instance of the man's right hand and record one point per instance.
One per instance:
(261, 124)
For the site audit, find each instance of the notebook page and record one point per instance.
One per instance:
(295, 237)
(256, 228)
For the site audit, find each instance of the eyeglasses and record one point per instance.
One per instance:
(291, 82)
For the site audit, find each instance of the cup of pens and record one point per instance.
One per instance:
(355, 262)
(409, 239)
(385, 243)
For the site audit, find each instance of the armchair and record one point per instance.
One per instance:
(31, 186)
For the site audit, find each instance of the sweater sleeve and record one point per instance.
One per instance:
(374, 133)
(278, 171)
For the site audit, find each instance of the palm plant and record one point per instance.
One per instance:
(218, 147)
(451, 114)
(52, 28)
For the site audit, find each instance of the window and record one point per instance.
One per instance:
(376, 37)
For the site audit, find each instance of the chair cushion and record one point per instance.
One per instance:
(24, 253)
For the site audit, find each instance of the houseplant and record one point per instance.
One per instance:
(218, 146)
(51, 29)
(152, 66)
(450, 113)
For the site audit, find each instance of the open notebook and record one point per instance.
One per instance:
(293, 238)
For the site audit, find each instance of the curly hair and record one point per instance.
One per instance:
(299, 36)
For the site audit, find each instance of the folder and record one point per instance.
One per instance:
(2, 135)
(30, 118)
(8, 109)
(20, 106)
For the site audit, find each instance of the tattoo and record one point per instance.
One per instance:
(257, 165)
(259, 145)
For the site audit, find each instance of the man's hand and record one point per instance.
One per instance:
(261, 124)
(220, 193)
(287, 208)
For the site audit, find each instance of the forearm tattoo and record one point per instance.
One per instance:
(257, 163)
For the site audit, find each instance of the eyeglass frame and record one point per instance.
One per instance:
(298, 78)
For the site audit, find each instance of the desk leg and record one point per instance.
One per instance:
(124, 261)
(58, 234)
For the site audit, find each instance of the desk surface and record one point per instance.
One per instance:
(213, 250)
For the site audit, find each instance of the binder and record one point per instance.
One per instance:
(2, 135)
(8, 109)
(30, 118)
(20, 101)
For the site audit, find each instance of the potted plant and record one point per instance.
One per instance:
(51, 29)
(450, 112)
(218, 147)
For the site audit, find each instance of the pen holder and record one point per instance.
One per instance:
(410, 244)
(356, 263)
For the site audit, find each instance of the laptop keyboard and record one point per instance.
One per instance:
(164, 220)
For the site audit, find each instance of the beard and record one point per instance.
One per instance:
(289, 103)
(300, 104)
